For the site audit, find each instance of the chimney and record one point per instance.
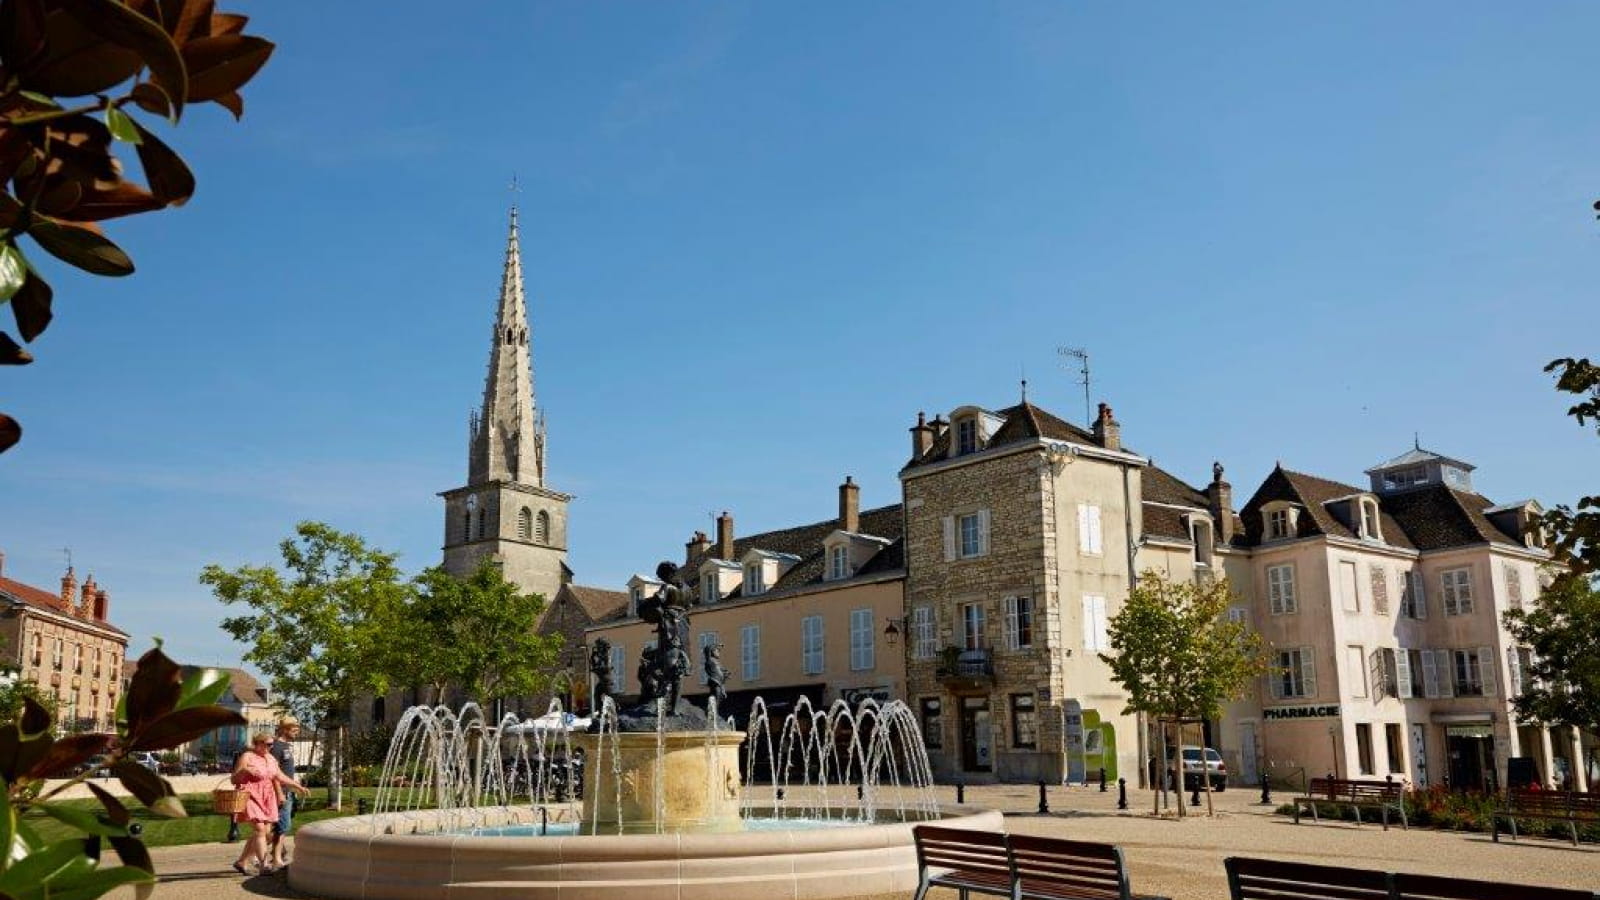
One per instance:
(69, 586)
(921, 437)
(102, 602)
(850, 505)
(696, 546)
(1220, 495)
(2, 564)
(939, 425)
(86, 599)
(1106, 429)
(724, 536)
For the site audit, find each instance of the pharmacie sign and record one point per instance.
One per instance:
(1274, 713)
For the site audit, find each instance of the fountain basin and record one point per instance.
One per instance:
(674, 781)
(401, 856)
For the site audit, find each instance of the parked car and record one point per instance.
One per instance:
(1215, 768)
(148, 760)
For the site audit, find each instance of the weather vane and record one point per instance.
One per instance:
(67, 552)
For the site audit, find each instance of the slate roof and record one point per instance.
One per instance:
(805, 542)
(28, 595)
(1023, 422)
(1427, 518)
(1418, 456)
(596, 603)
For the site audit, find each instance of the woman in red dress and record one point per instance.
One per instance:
(258, 775)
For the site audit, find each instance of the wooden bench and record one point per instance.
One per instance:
(1573, 807)
(1018, 866)
(1271, 879)
(1380, 795)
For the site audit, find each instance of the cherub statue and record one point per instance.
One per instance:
(716, 673)
(600, 667)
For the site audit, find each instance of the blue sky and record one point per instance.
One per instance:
(760, 237)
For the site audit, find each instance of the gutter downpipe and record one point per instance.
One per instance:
(1133, 579)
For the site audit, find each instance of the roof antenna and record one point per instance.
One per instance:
(1081, 355)
(1416, 439)
(1024, 390)
(67, 551)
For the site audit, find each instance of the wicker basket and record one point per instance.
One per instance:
(227, 801)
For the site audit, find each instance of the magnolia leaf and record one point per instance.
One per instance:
(13, 271)
(153, 691)
(203, 687)
(186, 19)
(152, 99)
(81, 819)
(28, 876)
(75, 60)
(22, 35)
(42, 99)
(99, 882)
(11, 353)
(170, 179)
(233, 103)
(151, 789)
(35, 720)
(133, 853)
(123, 198)
(228, 23)
(126, 28)
(10, 432)
(31, 306)
(68, 753)
(80, 247)
(120, 126)
(115, 811)
(183, 726)
(223, 64)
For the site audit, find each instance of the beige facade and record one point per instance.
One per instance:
(63, 643)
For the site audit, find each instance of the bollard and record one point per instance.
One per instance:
(361, 806)
(861, 791)
(961, 792)
(1266, 791)
(1122, 793)
(1102, 779)
(233, 830)
(1194, 799)
(1044, 804)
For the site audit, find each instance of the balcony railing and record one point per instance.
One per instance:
(966, 668)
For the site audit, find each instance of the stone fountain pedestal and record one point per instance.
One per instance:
(645, 782)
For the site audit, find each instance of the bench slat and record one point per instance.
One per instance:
(1434, 887)
(1271, 879)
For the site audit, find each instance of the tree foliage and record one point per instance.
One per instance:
(58, 160)
(316, 628)
(1562, 627)
(160, 710)
(483, 632)
(14, 690)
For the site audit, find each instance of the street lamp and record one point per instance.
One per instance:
(891, 631)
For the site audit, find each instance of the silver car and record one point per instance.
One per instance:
(1214, 767)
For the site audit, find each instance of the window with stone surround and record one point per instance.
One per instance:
(972, 627)
(932, 722)
(966, 435)
(966, 534)
(524, 524)
(1019, 622)
(922, 634)
(541, 529)
(1457, 591)
(839, 562)
(753, 583)
(1024, 722)
(1413, 595)
(970, 546)
(1294, 674)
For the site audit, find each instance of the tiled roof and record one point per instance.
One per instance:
(1023, 422)
(1161, 486)
(29, 595)
(596, 603)
(1438, 516)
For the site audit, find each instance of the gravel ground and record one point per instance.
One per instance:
(1178, 859)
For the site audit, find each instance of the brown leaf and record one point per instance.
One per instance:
(115, 811)
(153, 691)
(11, 352)
(186, 19)
(183, 726)
(22, 33)
(31, 306)
(150, 788)
(228, 23)
(35, 718)
(124, 199)
(10, 433)
(223, 64)
(171, 182)
(77, 61)
(126, 28)
(81, 247)
(233, 103)
(68, 753)
(152, 99)
(132, 852)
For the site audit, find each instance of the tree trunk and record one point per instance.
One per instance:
(1205, 771)
(335, 761)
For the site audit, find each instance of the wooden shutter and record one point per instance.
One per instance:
(1447, 583)
(1308, 668)
(1513, 673)
(1445, 662)
(1095, 543)
(1402, 673)
(949, 524)
(1088, 622)
(983, 532)
(1486, 667)
(1009, 636)
(1275, 677)
(1083, 528)
(1419, 592)
(1430, 675)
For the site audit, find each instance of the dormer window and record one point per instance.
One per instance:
(1370, 529)
(708, 588)
(635, 597)
(1399, 479)
(754, 583)
(839, 562)
(1200, 533)
(1278, 526)
(966, 435)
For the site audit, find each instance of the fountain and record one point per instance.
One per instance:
(648, 801)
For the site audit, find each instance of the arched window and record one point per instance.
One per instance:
(542, 533)
(524, 524)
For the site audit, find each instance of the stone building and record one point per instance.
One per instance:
(63, 642)
(248, 697)
(811, 611)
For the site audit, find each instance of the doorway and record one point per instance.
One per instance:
(1419, 756)
(977, 735)
(1247, 753)
(1470, 751)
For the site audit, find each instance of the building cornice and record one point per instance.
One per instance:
(1032, 445)
(785, 594)
(60, 618)
(534, 489)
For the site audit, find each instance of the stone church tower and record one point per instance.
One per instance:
(506, 511)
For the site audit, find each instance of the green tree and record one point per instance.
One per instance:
(14, 690)
(317, 628)
(483, 632)
(1562, 627)
(1175, 652)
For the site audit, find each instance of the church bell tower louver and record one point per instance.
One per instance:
(506, 511)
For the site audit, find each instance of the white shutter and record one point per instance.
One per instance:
(1445, 662)
(1308, 668)
(1464, 587)
(1402, 668)
(1088, 622)
(1486, 667)
(1430, 675)
(1010, 626)
(983, 532)
(1102, 638)
(1447, 584)
(1513, 673)
(1083, 528)
(1275, 677)
(1375, 675)
(1094, 529)
(1420, 593)
(949, 523)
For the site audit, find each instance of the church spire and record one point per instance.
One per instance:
(507, 440)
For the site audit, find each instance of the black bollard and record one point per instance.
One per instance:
(1102, 779)
(1194, 799)
(361, 806)
(1122, 793)
(233, 830)
(961, 793)
(1266, 791)
(1044, 805)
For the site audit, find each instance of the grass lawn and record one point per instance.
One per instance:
(202, 826)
